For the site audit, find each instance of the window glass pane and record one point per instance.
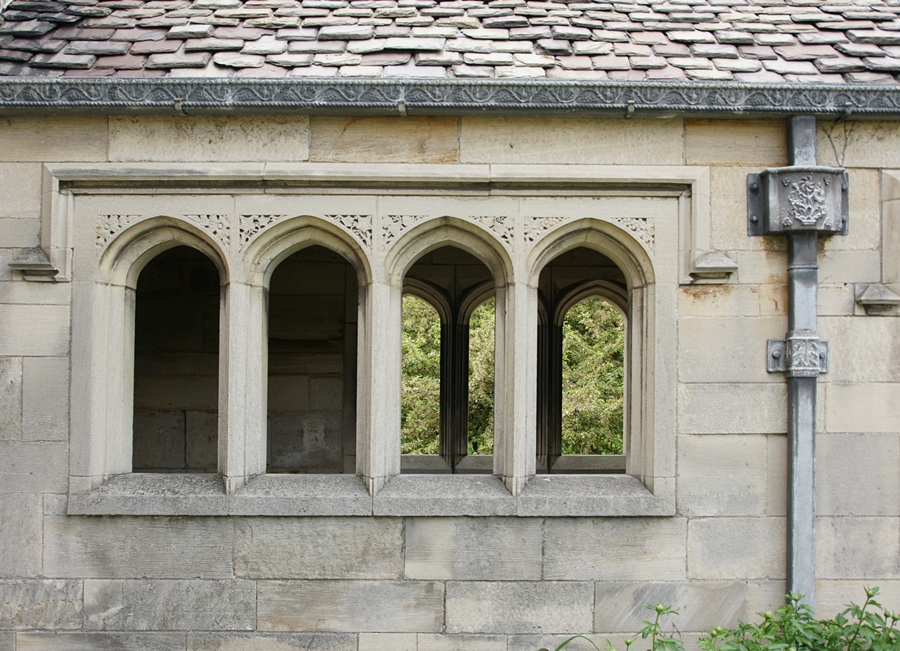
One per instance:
(593, 367)
(421, 381)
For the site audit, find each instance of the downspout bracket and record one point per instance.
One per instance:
(800, 355)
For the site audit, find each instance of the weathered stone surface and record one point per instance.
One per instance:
(7, 641)
(855, 357)
(140, 605)
(138, 548)
(33, 467)
(776, 475)
(876, 407)
(100, 641)
(633, 549)
(45, 399)
(722, 475)
(270, 641)
(732, 408)
(832, 597)
(857, 548)
(736, 548)
(435, 642)
(53, 139)
(388, 642)
(222, 139)
(40, 604)
(319, 548)
(725, 349)
(570, 140)
(751, 142)
(622, 606)
(869, 144)
(34, 330)
(20, 233)
(348, 606)
(20, 187)
(20, 535)
(500, 549)
(519, 606)
(376, 139)
(843, 459)
(719, 300)
(10, 398)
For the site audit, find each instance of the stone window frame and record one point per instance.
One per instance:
(99, 486)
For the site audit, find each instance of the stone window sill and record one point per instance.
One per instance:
(345, 495)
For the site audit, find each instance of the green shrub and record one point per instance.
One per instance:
(793, 627)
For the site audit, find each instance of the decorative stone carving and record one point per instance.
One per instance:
(641, 227)
(801, 354)
(253, 225)
(108, 226)
(219, 226)
(806, 200)
(359, 225)
(502, 225)
(393, 226)
(537, 226)
(377, 96)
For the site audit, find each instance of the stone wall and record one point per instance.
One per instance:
(442, 583)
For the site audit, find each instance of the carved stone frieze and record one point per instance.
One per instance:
(641, 227)
(108, 226)
(253, 225)
(393, 226)
(359, 225)
(219, 226)
(376, 96)
(501, 225)
(537, 226)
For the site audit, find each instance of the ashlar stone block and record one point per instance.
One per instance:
(842, 460)
(732, 408)
(7, 641)
(519, 140)
(863, 144)
(142, 605)
(621, 607)
(632, 549)
(736, 548)
(502, 549)
(384, 139)
(435, 642)
(319, 548)
(10, 398)
(100, 641)
(351, 606)
(860, 350)
(726, 349)
(156, 547)
(20, 233)
(519, 607)
(45, 399)
(857, 548)
(876, 407)
(832, 597)
(388, 642)
(33, 467)
(35, 330)
(20, 535)
(49, 604)
(219, 139)
(722, 475)
(750, 142)
(60, 139)
(271, 642)
(20, 187)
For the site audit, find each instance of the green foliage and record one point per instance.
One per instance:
(421, 380)
(481, 379)
(793, 627)
(593, 378)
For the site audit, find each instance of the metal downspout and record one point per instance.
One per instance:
(800, 201)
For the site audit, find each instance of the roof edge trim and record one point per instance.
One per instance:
(413, 96)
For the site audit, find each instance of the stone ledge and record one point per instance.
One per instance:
(346, 495)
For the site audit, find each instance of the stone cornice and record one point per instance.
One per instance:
(31, 95)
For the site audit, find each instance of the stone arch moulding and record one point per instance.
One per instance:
(594, 210)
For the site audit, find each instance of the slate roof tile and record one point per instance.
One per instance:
(746, 40)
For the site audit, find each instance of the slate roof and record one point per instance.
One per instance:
(829, 41)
